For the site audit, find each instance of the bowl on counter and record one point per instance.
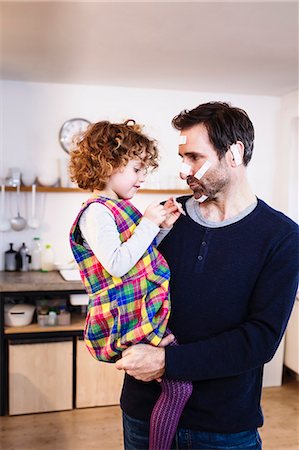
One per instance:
(18, 315)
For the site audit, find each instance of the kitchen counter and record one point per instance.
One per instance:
(36, 281)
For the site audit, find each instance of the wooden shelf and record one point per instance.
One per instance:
(77, 323)
(44, 189)
(77, 190)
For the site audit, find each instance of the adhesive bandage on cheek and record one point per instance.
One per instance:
(200, 173)
(185, 169)
(182, 139)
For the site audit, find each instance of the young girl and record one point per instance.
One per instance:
(126, 278)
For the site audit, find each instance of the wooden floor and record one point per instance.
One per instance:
(100, 428)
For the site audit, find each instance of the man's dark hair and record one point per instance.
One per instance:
(225, 125)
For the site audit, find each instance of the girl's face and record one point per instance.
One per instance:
(126, 181)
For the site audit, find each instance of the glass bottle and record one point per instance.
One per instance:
(36, 254)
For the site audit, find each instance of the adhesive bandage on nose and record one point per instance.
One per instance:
(200, 173)
(185, 169)
(236, 154)
(182, 139)
(201, 199)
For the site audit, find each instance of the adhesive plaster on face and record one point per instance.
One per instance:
(201, 199)
(182, 139)
(179, 206)
(236, 154)
(185, 169)
(200, 173)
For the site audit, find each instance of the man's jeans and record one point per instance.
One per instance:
(136, 434)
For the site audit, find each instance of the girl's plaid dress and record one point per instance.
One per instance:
(122, 310)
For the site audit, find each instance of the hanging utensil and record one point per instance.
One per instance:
(4, 222)
(18, 223)
(33, 222)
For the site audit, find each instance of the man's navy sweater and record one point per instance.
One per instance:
(232, 291)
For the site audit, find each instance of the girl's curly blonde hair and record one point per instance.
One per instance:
(107, 146)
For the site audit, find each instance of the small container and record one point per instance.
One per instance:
(79, 299)
(52, 318)
(43, 320)
(64, 317)
(18, 315)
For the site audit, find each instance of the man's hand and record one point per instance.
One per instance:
(145, 362)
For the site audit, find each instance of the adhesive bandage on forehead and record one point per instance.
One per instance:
(204, 168)
(182, 139)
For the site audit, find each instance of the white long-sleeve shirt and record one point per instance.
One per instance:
(100, 234)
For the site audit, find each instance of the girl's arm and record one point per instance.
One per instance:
(100, 232)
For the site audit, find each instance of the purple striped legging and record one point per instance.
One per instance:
(167, 411)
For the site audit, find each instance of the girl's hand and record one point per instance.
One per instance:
(156, 213)
(174, 210)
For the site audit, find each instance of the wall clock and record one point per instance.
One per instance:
(69, 130)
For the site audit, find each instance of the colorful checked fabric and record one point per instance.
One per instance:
(125, 310)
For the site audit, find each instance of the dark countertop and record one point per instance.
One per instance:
(36, 281)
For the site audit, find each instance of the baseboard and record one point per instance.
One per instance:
(289, 373)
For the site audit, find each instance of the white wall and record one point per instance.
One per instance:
(286, 188)
(34, 112)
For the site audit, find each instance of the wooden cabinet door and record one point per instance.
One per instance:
(98, 383)
(40, 377)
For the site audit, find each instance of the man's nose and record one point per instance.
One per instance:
(185, 171)
(183, 176)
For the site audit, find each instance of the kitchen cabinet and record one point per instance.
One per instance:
(98, 383)
(40, 376)
(37, 364)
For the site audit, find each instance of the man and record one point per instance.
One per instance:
(234, 275)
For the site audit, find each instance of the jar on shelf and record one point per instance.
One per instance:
(64, 316)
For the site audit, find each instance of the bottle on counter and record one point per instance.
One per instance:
(10, 257)
(47, 258)
(23, 258)
(36, 254)
(52, 318)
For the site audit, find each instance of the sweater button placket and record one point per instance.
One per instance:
(202, 252)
